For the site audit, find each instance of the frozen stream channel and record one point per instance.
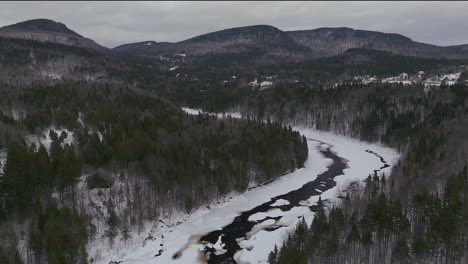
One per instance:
(246, 228)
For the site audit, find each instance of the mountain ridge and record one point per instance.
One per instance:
(257, 44)
(252, 44)
(301, 44)
(240, 48)
(266, 39)
(46, 30)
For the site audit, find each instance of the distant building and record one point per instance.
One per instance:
(407, 83)
(431, 82)
(254, 83)
(265, 85)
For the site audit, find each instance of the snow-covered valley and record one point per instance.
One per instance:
(177, 240)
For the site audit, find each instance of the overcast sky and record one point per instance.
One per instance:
(115, 23)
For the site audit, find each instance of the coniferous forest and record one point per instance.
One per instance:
(414, 215)
(370, 226)
(125, 137)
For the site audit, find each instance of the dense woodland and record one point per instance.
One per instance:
(358, 62)
(219, 88)
(130, 140)
(51, 62)
(371, 226)
(416, 214)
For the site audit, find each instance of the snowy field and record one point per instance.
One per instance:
(182, 239)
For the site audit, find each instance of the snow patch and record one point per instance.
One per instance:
(263, 215)
(280, 202)
(45, 139)
(3, 158)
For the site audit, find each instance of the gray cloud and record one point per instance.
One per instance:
(115, 23)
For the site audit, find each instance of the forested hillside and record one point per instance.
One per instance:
(409, 118)
(223, 89)
(358, 61)
(25, 61)
(411, 216)
(71, 146)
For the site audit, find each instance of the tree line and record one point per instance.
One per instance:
(426, 228)
(132, 145)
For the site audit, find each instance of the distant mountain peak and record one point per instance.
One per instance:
(42, 24)
(235, 32)
(46, 30)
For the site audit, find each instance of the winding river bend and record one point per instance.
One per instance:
(241, 225)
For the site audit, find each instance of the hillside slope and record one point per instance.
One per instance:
(333, 41)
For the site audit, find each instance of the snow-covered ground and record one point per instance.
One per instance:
(3, 158)
(45, 139)
(14, 112)
(183, 238)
